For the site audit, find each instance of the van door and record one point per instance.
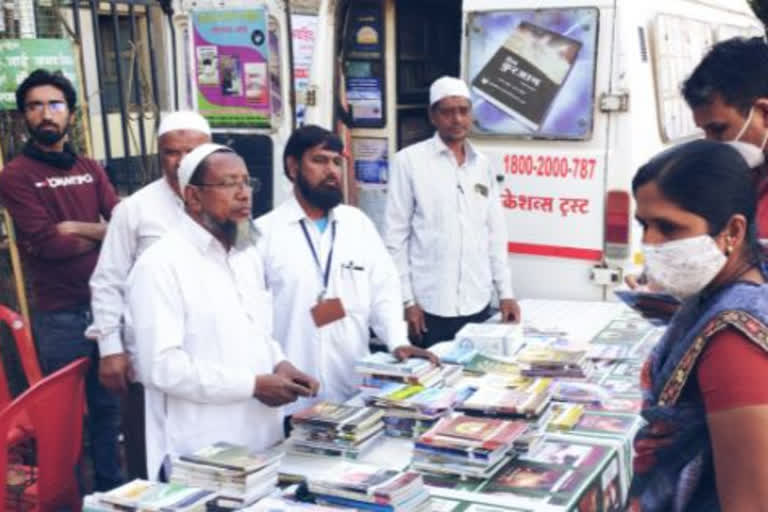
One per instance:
(537, 70)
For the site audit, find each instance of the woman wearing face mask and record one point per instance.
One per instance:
(706, 383)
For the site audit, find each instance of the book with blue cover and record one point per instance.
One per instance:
(383, 363)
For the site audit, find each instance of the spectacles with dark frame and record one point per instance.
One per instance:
(230, 185)
(54, 107)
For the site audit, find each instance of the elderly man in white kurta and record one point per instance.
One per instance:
(137, 222)
(199, 316)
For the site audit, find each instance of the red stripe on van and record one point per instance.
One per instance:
(555, 250)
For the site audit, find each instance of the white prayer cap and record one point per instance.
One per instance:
(192, 159)
(447, 86)
(184, 120)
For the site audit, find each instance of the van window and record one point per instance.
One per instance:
(532, 72)
(680, 44)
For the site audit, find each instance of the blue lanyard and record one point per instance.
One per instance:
(327, 273)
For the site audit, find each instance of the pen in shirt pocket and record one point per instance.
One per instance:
(352, 266)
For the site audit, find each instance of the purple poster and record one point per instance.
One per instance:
(231, 56)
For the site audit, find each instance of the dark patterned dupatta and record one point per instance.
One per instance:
(673, 462)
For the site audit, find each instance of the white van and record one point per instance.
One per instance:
(569, 98)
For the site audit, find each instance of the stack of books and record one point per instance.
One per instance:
(284, 505)
(413, 394)
(411, 410)
(467, 446)
(385, 393)
(541, 361)
(580, 392)
(527, 401)
(384, 364)
(483, 364)
(561, 473)
(564, 416)
(367, 487)
(414, 371)
(336, 430)
(458, 353)
(240, 477)
(503, 339)
(145, 496)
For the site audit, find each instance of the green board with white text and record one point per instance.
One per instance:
(19, 57)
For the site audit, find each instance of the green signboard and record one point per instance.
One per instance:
(19, 57)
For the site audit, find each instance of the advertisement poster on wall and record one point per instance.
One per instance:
(365, 36)
(532, 72)
(19, 57)
(304, 28)
(275, 79)
(230, 58)
(371, 159)
(365, 97)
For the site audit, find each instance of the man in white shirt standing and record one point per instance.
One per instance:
(137, 222)
(199, 315)
(330, 276)
(444, 225)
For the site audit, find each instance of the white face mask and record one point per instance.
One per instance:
(683, 267)
(744, 128)
(751, 154)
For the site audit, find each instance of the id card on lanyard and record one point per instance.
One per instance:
(326, 311)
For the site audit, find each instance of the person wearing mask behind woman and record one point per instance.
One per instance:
(705, 384)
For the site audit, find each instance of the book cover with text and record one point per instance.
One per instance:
(524, 76)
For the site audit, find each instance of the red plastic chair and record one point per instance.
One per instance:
(29, 363)
(55, 407)
(24, 344)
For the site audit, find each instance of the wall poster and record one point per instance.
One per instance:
(365, 36)
(304, 28)
(371, 156)
(230, 58)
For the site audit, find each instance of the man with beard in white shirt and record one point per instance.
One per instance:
(199, 315)
(444, 225)
(329, 273)
(137, 222)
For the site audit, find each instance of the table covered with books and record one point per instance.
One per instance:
(539, 416)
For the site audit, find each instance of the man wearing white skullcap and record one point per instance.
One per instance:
(444, 225)
(200, 316)
(137, 222)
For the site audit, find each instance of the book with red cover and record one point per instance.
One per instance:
(487, 433)
(366, 483)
